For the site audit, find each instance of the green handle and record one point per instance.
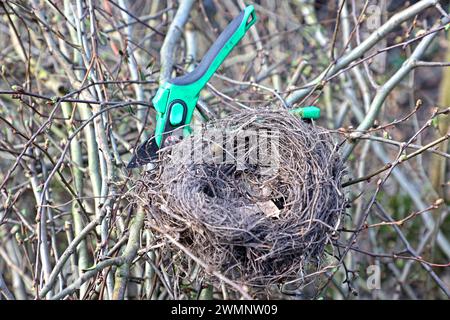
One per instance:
(186, 89)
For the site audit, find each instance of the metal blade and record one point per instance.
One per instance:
(144, 154)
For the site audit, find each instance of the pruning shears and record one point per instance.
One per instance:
(177, 98)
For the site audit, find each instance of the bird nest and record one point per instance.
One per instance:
(255, 196)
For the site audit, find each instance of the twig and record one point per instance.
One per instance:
(123, 272)
(365, 46)
(203, 264)
(173, 35)
(385, 89)
(425, 265)
(404, 158)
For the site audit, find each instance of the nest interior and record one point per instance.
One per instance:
(257, 216)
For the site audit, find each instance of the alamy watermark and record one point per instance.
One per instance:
(373, 281)
(372, 23)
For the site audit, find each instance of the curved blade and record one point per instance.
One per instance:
(144, 154)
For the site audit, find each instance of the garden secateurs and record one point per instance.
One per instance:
(177, 98)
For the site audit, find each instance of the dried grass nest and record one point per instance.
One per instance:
(256, 224)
